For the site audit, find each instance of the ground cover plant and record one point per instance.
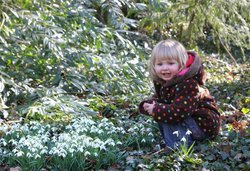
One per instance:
(72, 74)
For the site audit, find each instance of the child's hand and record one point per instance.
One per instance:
(149, 107)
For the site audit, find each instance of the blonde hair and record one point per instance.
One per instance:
(167, 49)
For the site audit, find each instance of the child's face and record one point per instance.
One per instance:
(166, 69)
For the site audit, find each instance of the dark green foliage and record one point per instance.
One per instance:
(215, 26)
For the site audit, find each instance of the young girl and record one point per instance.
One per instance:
(180, 106)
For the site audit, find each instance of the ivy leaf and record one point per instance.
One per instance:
(224, 155)
(238, 156)
(245, 110)
(211, 157)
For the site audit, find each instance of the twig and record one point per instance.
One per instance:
(227, 50)
(157, 152)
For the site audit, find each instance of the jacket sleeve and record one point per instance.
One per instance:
(184, 104)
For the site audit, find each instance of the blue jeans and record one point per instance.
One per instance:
(173, 135)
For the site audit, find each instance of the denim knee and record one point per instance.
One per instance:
(173, 135)
(197, 133)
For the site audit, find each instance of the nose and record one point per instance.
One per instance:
(165, 67)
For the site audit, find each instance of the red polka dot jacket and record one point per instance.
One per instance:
(183, 96)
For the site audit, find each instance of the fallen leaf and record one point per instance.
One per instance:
(238, 156)
(15, 169)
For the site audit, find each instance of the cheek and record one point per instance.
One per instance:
(176, 68)
(157, 69)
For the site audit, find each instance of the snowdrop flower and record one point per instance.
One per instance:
(54, 139)
(4, 128)
(19, 153)
(80, 148)
(29, 155)
(120, 130)
(3, 142)
(119, 143)
(183, 140)
(148, 129)
(94, 129)
(54, 129)
(102, 147)
(45, 137)
(130, 130)
(13, 142)
(150, 134)
(44, 150)
(86, 153)
(63, 153)
(133, 61)
(110, 142)
(71, 150)
(188, 132)
(69, 127)
(177, 133)
(37, 156)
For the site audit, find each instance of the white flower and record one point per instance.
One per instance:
(13, 142)
(143, 140)
(29, 155)
(71, 150)
(110, 142)
(119, 143)
(102, 147)
(130, 130)
(150, 134)
(19, 153)
(44, 150)
(133, 61)
(86, 153)
(37, 156)
(3, 142)
(183, 139)
(188, 132)
(177, 133)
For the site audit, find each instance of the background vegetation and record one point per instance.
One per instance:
(72, 73)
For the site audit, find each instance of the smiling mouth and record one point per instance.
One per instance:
(166, 74)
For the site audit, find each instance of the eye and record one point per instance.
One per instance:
(159, 64)
(172, 62)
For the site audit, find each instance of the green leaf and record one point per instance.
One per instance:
(245, 110)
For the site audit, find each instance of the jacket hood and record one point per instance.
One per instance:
(195, 71)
